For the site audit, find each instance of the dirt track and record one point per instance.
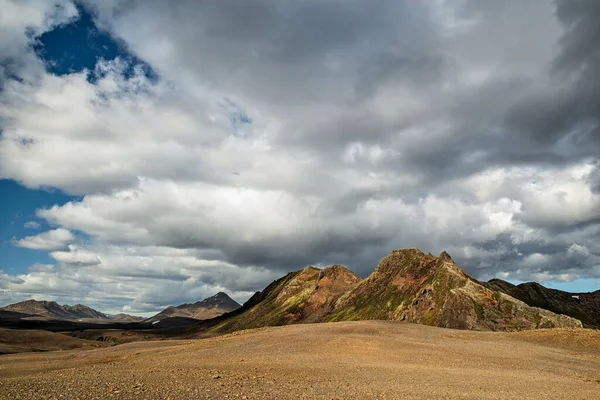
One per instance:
(350, 360)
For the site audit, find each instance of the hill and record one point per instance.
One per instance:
(408, 285)
(299, 297)
(52, 310)
(19, 341)
(208, 308)
(124, 318)
(583, 306)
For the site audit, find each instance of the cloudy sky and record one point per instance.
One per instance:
(155, 152)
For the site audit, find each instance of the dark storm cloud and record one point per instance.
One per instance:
(568, 109)
(579, 45)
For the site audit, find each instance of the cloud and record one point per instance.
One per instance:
(32, 225)
(139, 280)
(41, 268)
(281, 135)
(76, 256)
(55, 239)
(20, 23)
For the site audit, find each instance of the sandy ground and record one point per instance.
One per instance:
(23, 340)
(349, 360)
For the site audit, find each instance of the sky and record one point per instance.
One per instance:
(154, 153)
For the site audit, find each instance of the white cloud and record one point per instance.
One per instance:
(76, 256)
(536, 260)
(139, 280)
(55, 239)
(41, 268)
(32, 225)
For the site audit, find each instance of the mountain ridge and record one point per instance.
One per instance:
(52, 310)
(407, 285)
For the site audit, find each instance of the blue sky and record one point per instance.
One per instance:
(76, 45)
(79, 45)
(210, 148)
(17, 208)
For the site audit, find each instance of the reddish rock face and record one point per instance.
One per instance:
(304, 296)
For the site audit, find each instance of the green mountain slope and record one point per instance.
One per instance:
(299, 297)
(409, 285)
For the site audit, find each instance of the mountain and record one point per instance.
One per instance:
(208, 308)
(583, 306)
(124, 318)
(408, 285)
(299, 297)
(12, 315)
(52, 310)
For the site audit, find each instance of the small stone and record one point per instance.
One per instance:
(216, 376)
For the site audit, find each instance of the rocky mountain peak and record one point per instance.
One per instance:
(213, 306)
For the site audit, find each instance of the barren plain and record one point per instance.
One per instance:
(346, 360)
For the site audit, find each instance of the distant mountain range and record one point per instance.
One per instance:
(52, 310)
(208, 308)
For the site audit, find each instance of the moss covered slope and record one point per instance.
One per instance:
(299, 297)
(410, 285)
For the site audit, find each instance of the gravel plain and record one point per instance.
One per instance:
(347, 360)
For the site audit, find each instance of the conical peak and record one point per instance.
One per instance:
(220, 296)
